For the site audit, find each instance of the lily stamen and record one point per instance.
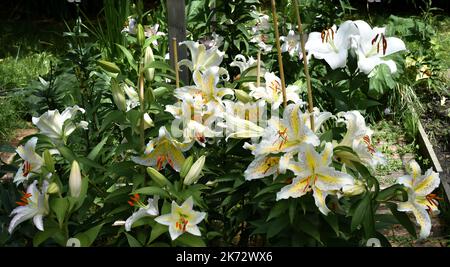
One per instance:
(135, 200)
(26, 168)
(24, 199)
(366, 140)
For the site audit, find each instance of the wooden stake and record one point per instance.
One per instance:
(142, 106)
(258, 70)
(305, 64)
(175, 57)
(280, 58)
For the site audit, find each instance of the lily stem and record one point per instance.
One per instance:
(175, 60)
(280, 58)
(305, 64)
(142, 106)
(258, 70)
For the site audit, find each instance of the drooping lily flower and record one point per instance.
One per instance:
(182, 219)
(373, 45)
(33, 204)
(272, 93)
(202, 58)
(214, 40)
(150, 31)
(291, 44)
(163, 150)
(332, 44)
(358, 137)
(151, 209)
(420, 201)
(315, 174)
(59, 126)
(262, 23)
(32, 161)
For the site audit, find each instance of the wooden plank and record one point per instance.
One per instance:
(427, 150)
(177, 29)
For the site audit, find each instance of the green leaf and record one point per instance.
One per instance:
(189, 240)
(152, 190)
(67, 153)
(332, 221)
(157, 230)
(96, 150)
(308, 228)
(360, 211)
(159, 65)
(388, 193)
(270, 189)
(88, 237)
(276, 226)
(403, 219)
(114, 116)
(42, 236)
(279, 208)
(60, 207)
(129, 56)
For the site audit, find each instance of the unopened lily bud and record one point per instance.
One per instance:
(156, 176)
(242, 96)
(140, 35)
(160, 91)
(149, 58)
(53, 188)
(75, 180)
(149, 96)
(194, 173)
(187, 164)
(118, 95)
(108, 66)
(353, 190)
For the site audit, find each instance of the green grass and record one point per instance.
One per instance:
(11, 117)
(17, 73)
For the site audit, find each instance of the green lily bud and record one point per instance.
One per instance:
(242, 96)
(194, 173)
(108, 66)
(156, 176)
(118, 95)
(149, 95)
(160, 91)
(149, 58)
(49, 162)
(75, 180)
(53, 188)
(186, 166)
(140, 35)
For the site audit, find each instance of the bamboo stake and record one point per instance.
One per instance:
(258, 70)
(280, 58)
(305, 64)
(175, 58)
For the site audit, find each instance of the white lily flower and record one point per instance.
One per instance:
(214, 40)
(32, 161)
(33, 204)
(150, 31)
(203, 58)
(151, 209)
(130, 26)
(261, 40)
(262, 24)
(420, 197)
(314, 173)
(59, 126)
(291, 44)
(243, 64)
(288, 134)
(272, 93)
(241, 128)
(332, 44)
(373, 46)
(358, 137)
(182, 219)
(163, 150)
